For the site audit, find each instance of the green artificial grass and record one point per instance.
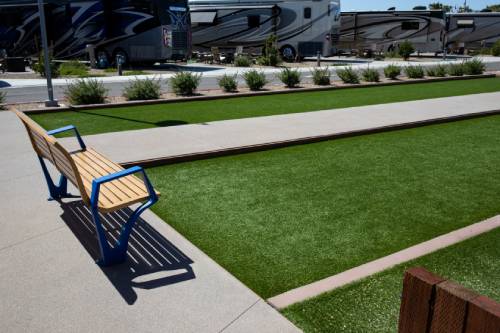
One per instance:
(372, 305)
(283, 218)
(139, 117)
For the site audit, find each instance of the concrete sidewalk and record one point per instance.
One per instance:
(49, 282)
(186, 140)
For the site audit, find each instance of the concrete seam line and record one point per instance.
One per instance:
(239, 316)
(31, 238)
(328, 284)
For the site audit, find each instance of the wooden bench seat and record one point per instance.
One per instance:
(103, 185)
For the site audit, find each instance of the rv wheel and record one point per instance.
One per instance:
(288, 53)
(120, 56)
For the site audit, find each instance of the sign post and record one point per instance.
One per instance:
(43, 29)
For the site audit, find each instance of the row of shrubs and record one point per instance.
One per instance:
(185, 83)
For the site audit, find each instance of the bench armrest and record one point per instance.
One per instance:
(69, 128)
(96, 183)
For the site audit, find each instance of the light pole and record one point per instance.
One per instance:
(43, 29)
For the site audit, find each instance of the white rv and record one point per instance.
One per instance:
(383, 31)
(472, 30)
(302, 27)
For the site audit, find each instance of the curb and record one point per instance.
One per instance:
(149, 163)
(258, 93)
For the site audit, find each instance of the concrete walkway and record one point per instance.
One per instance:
(188, 140)
(49, 282)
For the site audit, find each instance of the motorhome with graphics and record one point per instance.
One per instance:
(135, 30)
(302, 27)
(472, 30)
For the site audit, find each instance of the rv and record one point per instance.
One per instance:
(133, 30)
(303, 27)
(472, 31)
(384, 31)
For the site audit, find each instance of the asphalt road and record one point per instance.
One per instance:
(39, 93)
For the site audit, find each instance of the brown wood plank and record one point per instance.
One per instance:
(417, 300)
(483, 316)
(87, 183)
(450, 307)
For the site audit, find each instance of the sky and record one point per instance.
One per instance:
(348, 5)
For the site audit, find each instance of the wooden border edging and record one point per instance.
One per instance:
(254, 94)
(154, 162)
(432, 304)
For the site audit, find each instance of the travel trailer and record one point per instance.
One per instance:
(303, 27)
(472, 31)
(135, 30)
(383, 31)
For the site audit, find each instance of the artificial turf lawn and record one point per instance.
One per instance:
(139, 117)
(284, 218)
(372, 305)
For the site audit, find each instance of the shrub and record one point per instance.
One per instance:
(406, 49)
(456, 69)
(228, 83)
(371, 75)
(321, 76)
(436, 71)
(255, 80)
(86, 91)
(3, 96)
(270, 54)
(242, 61)
(142, 89)
(392, 72)
(495, 49)
(474, 67)
(73, 68)
(290, 77)
(185, 83)
(39, 66)
(348, 75)
(414, 72)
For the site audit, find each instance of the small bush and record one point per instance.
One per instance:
(290, 77)
(86, 91)
(370, 75)
(185, 83)
(228, 83)
(270, 54)
(39, 66)
(436, 71)
(392, 72)
(321, 76)
(255, 80)
(73, 68)
(495, 49)
(415, 72)
(456, 69)
(348, 75)
(406, 49)
(143, 89)
(242, 61)
(474, 67)
(3, 96)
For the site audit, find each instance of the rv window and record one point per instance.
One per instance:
(410, 26)
(465, 23)
(253, 21)
(307, 12)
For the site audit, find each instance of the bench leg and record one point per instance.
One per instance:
(117, 254)
(55, 191)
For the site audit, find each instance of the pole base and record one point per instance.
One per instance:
(51, 104)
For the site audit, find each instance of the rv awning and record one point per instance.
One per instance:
(203, 17)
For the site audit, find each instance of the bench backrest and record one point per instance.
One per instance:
(46, 146)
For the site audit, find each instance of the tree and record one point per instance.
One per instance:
(440, 6)
(492, 8)
(465, 9)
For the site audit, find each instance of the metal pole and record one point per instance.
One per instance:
(43, 29)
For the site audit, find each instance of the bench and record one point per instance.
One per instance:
(104, 186)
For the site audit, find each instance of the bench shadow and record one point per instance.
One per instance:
(163, 123)
(152, 260)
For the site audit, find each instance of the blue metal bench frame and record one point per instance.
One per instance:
(110, 255)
